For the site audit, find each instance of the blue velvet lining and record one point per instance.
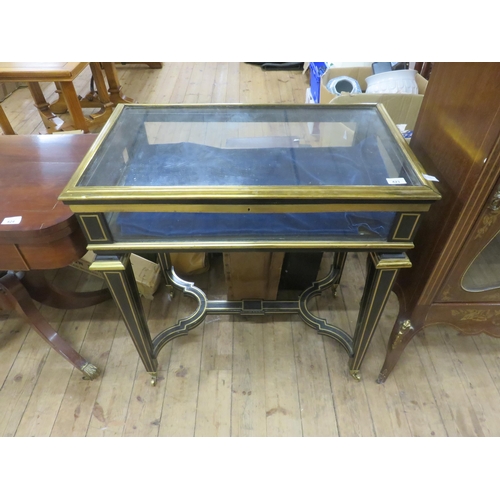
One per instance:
(190, 164)
(275, 225)
(193, 164)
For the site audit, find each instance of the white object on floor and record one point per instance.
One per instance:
(392, 82)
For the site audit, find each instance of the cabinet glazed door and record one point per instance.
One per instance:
(475, 276)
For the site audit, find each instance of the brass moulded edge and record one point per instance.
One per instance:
(246, 208)
(405, 148)
(391, 263)
(72, 183)
(107, 266)
(174, 246)
(86, 194)
(246, 194)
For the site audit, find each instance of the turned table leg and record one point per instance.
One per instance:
(115, 92)
(5, 124)
(52, 122)
(74, 107)
(59, 106)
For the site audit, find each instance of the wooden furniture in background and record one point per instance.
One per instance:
(424, 68)
(151, 65)
(457, 139)
(34, 170)
(5, 123)
(63, 75)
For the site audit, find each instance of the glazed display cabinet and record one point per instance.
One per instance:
(456, 275)
(174, 178)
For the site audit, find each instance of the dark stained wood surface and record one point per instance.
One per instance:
(33, 172)
(457, 139)
(455, 133)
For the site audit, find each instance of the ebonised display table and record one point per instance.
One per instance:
(173, 178)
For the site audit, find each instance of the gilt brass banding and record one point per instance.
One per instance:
(246, 208)
(406, 326)
(410, 233)
(87, 221)
(252, 307)
(107, 266)
(193, 246)
(405, 148)
(391, 263)
(118, 286)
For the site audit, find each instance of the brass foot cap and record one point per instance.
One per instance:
(355, 374)
(90, 371)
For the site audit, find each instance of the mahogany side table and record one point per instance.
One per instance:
(37, 232)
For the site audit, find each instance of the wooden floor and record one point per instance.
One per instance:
(271, 376)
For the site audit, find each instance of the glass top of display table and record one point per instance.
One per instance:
(232, 154)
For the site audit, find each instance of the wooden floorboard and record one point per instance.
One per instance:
(234, 376)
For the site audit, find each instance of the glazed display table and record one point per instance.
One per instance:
(170, 178)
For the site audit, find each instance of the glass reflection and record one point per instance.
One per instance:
(484, 272)
(257, 146)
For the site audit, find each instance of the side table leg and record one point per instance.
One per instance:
(52, 122)
(16, 297)
(115, 89)
(117, 271)
(59, 106)
(74, 107)
(98, 99)
(5, 124)
(382, 272)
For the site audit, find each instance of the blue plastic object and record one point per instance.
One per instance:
(316, 69)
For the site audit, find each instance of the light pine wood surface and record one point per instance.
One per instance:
(234, 376)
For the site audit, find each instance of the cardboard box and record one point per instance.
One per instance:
(252, 275)
(402, 108)
(147, 274)
(83, 264)
(190, 263)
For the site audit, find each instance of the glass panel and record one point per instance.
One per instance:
(257, 146)
(484, 272)
(173, 226)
